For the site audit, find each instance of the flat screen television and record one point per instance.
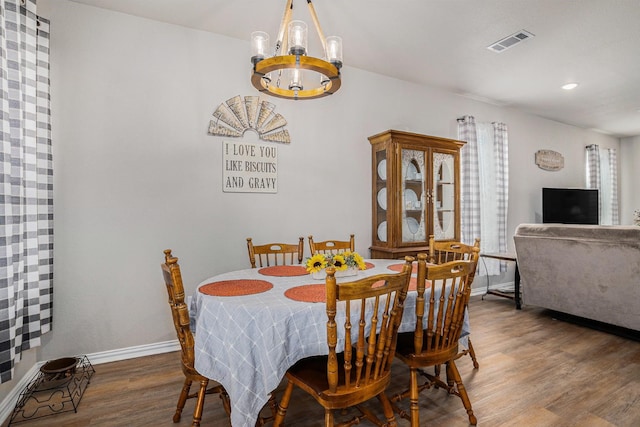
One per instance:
(570, 206)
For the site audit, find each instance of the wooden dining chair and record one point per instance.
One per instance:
(447, 250)
(180, 313)
(332, 246)
(275, 253)
(368, 313)
(434, 341)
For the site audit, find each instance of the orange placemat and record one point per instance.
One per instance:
(398, 267)
(234, 288)
(284, 270)
(413, 284)
(368, 265)
(307, 293)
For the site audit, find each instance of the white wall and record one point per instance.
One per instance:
(629, 159)
(135, 171)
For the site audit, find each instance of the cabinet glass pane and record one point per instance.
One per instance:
(413, 200)
(443, 196)
(381, 195)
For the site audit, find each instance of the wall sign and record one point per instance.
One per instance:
(249, 168)
(549, 160)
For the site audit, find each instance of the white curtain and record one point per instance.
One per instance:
(26, 170)
(602, 173)
(613, 185)
(470, 199)
(485, 171)
(593, 171)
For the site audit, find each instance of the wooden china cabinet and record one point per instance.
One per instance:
(415, 192)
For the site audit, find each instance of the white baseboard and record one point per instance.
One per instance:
(133, 352)
(8, 403)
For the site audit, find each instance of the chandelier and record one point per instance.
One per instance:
(291, 73)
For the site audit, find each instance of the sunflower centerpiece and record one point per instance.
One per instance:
(346, 264)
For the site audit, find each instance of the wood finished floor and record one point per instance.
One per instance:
(534, 371)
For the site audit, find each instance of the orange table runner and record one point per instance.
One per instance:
(233, 288)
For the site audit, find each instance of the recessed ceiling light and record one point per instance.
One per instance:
(570, 86)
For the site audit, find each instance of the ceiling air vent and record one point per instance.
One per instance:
(510, 41)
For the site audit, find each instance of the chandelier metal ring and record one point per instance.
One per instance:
(285, 62)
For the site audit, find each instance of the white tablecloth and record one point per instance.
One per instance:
(247, 343)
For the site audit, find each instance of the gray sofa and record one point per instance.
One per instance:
(588, 271)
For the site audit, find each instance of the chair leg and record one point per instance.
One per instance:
(184, 394)
(450, 378)
(328, 418)
(462, 392)
(262, 421)
(388, 410)
(397, 409)
(226, 403)
(413, 397)
(197, 411)
(283, 405)
(273, 405)
(472, 353)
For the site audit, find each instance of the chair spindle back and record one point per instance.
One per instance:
(179, 309)
(448, 287)
(275, 253)
(332, 246)
(377, 302)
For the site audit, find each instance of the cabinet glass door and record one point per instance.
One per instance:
(413, 201)
(444, 214)
(381, 196)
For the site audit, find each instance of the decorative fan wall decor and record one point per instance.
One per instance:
(236, 115)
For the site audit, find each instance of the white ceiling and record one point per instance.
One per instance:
(444, 43)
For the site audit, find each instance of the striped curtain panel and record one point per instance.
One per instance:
(613, 185)
(26, 198)
(501, 153)
(469, 175)
(602, 173)
(485, 170)
(593, 166)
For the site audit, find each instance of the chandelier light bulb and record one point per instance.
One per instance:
(259, 46)
(297, 38)
(334, 50)
(296, 79)
(324, 80)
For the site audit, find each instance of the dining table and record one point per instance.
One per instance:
(252, 325)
